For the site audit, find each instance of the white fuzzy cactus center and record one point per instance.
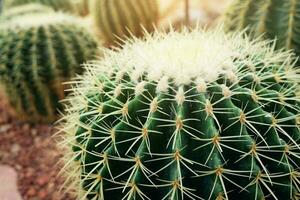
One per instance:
(202, 55)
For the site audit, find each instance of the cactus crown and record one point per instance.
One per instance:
(191, 115)
(38, 52)
(33, 8)
(64, 5)
(41, 19)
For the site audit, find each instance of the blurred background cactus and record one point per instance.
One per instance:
(275, 19)
(81, 7)
(1, 6)
(18, 11)
(64, 5)
(191, 115)
(115, 20)
(38, 53)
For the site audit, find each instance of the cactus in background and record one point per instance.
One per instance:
(1, 6)
(275, 19)
(38, 52)
(116, 19)
(32, 8)
(81, 7)
(64, 5)
(191, 115)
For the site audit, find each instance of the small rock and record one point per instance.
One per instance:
(42, 194)
(42, 180)
(33, 132)
(15, 148)
(5, 128)
(9, 190)
(31, 192)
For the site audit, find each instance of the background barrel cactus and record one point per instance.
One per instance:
(275, 19)
(116, 19)
(191, 115)
(32, 8)
(64, 5)
(81, 7)
(38, 52)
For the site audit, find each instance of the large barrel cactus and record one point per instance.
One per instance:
(38, 52)
(18, 11)
(117, 19)
(191, 115)
(64, 5)
(274, 18)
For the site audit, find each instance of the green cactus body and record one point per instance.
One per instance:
(22, 10)
(1, 6)
(273, 18)
(38, 52)
(64, 5)
(191, 115)
(116, 19)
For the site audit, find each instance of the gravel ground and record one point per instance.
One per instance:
(32, 152)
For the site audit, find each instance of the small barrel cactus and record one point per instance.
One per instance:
(190, 115)
(32, 8)
(116, 20)
(64, 5)
(38, 52)
(275, 19)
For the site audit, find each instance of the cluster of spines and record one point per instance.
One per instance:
(236, 137)
(274, 18)
(64, 5)
(117, 19)
(35, 61)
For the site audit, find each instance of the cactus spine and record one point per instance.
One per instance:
(191, 115)
(38, 52)
(273, 18)
(64, 5)
(118, 19)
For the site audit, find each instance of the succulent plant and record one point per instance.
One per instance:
(190, 115)
(64, 5)
(32, 8)
(116, 20)
(38, 52)
(81, 7)
(1, 5)
(275, 19)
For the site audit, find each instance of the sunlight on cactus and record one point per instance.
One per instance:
(64, 5)
(115, 20)
(32, 8)
(191, 115)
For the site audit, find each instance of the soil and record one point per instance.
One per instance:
(31, 150)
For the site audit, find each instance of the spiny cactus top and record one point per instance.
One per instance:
(116, 19)
(38, 52)
(64, 5)
(191, 115)
(274, 18)
(32, 8)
